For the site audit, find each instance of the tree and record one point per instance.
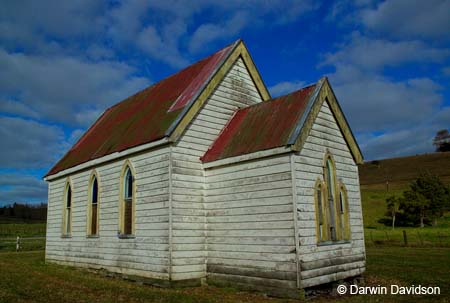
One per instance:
(442, 140)
(414, 205)
(425, 201)
(392, 204)
(432, 188)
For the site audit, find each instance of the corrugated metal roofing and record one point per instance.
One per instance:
(143, 117)
(259, 127)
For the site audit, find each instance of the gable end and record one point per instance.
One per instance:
(324, 93)
(189, 112)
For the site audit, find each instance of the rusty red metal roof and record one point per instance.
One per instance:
(262, 126)
(143, 117)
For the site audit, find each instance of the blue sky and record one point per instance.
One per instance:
(63, 63)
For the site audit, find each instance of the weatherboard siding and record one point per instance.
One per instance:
(236, 90)
(145, 255)
(322, 264)
(250, 224)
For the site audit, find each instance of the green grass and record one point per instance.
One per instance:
(400, 171)
(26, 278)
(374, 205)
(376, 233)
(10, 228)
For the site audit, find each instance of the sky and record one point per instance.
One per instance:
(62, 63)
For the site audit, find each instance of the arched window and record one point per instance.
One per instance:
(321, 226)
(67, 213)
(332, 211)
(330, 182)
(93, 206)
(127, 201)
(344, 218)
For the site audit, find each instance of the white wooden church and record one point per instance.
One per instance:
(204, 178)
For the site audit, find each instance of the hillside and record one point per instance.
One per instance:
(400, 171)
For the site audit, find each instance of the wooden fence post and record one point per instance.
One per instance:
(405, 239)
(18, 243)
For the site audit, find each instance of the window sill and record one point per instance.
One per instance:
(328, 243)
(68, 236)
(123, 236)
(92, 236)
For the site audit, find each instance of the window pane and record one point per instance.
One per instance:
(128, 217)
(341, 202)
(68, 218)
(128, 185)
(94, 191)
(94, 220)
(332, 221)
(319, 205)
(69, 197)
(330, 180)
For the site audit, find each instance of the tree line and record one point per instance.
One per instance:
(35, 212)
(423, 203)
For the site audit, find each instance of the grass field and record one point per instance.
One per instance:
(400, 171)
(26, 278)
(374, 208)
(33, 232)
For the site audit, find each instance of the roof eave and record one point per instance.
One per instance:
(301, 130)
(107, 158)
(299, 125)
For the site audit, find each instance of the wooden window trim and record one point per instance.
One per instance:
(345, 215)
(322, 234)
(89, 215)
(123, 200)
(67, 212)
(331, 207)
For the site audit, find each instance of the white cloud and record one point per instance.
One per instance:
(391, 116)
(17, 108)
(410, 18)
(60, 18)
(21, 188)
(87, 117)
(399, 143)
(209, 32)
(375, 54)
(162, 29)
(30, 144)
(164, 45)
(442, 118)
(378, 104)
(286, 87)
(99, 52)
(59, 88)
(75, 135)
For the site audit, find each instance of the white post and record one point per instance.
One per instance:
(18, 243)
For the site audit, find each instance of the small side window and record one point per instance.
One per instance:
(344, 213)
(67, 213)
(127, 202)
(93, 207)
